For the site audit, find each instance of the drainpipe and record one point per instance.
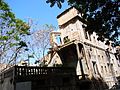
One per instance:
(79, 59)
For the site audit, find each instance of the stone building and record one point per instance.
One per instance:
(2, 66)
(79, 49)
(37, 78)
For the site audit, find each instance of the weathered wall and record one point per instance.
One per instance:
(67, 16)
(7, 84)
(23, 86)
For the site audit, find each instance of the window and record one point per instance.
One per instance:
(95, 68)
(90, 48)
(107, 54)
(102, 59)
(89, 35)
(110, 67)
(65, 39)
(102, 69)
(58, 39)
(89, 55)
(85, 34)
(99, 59)
(105, 69)
(94, 39)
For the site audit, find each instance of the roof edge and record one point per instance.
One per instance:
(65, 11)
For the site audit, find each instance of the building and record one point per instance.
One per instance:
(37, 78)
(80, 49)
(2, 66)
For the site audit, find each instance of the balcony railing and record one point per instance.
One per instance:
(28, 71)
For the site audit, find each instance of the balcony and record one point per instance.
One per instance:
(35, 73)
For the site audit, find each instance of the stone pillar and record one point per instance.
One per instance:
(79, 59)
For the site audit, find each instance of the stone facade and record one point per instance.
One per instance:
(38, 78)
(2, 66)
(80, 49)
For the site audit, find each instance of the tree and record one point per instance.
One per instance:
(39, 42)
(11, 32)
(101, 16)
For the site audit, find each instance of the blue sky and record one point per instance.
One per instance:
(37, 10)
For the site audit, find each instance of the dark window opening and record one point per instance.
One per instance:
(85, 33)
(95, 68)
(89, 34)
(66, 39)
(102, 69)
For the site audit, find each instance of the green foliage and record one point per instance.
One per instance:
(13, 44)
(31, 56)
(4, 38)
(12, 31)
(16, 37)
(22, 44)
(102, 16)
(52, 2)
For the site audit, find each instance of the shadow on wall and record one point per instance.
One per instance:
(118, 78)
(93, 84)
